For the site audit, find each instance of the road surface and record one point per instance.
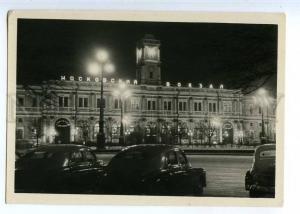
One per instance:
(225, 173)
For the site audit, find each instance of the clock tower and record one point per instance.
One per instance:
(148, 61)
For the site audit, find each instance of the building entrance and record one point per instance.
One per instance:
(62, 127)
(227, 133)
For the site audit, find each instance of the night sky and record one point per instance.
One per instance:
(232, 54)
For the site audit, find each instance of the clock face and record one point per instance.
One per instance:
(151, 53)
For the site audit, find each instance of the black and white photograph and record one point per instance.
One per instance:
(164, 108)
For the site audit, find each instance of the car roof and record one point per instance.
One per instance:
(61, 147)
(266, 147)
(151, 148)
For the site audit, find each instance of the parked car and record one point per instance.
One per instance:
(63, 168)
(23, 147)
(152, 170)
(260, 179)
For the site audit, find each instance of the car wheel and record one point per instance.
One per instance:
(198, 190)
(253, 193)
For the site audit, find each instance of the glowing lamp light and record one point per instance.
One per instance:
(93, 68)
(109, 68)
(102, 56)
(190, 85)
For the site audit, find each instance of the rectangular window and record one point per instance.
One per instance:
(135, 105)
(116, 103)
(199, 106)
(83, 102)
(259, 110)
(180, 106)
(60, 101)
(149, 105)
(19, 133)
(66, 102)
(210, 107)
(214, 107)
(20, 101)
(98, 102)
(153, 105)
(86, 102)
(34, 102)
(80, 102)
(167, 105)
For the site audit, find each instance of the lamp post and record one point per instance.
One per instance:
(121, 93)
(97, 66)
(263, 100)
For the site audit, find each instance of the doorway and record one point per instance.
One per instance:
(62, 127)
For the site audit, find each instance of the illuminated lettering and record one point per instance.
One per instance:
(112, 80)
(190, 85)
(62, 77)
(168, 84)
(104, 79)
(80, 79)
(88, 79)
(72, 78)
(179, 84)
(135, 82)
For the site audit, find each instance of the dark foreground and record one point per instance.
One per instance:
(225, 173)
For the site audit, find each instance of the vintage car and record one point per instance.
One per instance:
(152, 170)
(260, 179)
(63, 168)
(23, 147)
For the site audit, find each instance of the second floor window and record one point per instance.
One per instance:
(212, 107)
(167, 105)
(135, 105)
(117, 103)
(63, 101)
(21, 101)
(83, 102)
(198, 106)
(151, 105)
(182, 106)
(34, 102)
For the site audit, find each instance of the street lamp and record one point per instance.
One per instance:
(262, 99)
(97, 66)
(121, 93)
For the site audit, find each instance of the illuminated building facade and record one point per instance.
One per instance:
(67, 110)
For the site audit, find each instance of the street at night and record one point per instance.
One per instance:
(225, 173)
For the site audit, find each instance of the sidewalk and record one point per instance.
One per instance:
(199, 149)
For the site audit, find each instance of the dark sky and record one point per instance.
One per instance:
(232, 54)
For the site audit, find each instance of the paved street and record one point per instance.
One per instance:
(225, 173)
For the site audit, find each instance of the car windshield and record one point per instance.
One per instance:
(135, 160)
